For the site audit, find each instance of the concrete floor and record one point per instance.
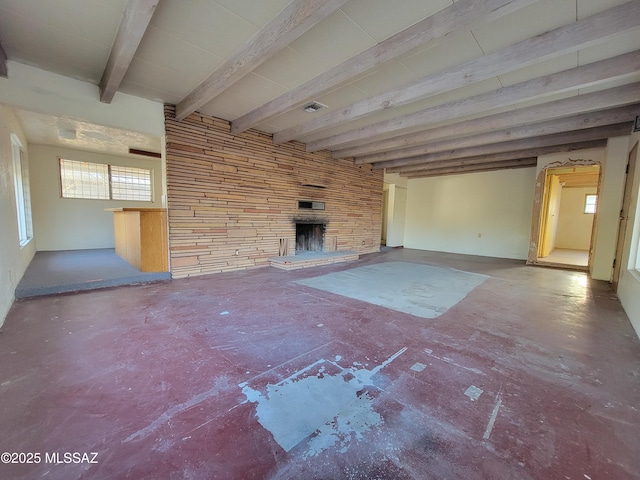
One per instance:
(250, 375)
(568, 257)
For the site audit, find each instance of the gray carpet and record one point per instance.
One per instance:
(75, 270)
(421, 290)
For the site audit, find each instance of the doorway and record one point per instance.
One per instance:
(564, 235)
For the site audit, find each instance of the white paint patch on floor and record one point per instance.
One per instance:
(492, 418)
(422, 290)
(323, 401)
(473, 392)
(418, 367)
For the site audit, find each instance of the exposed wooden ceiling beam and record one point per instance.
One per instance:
(568, 38)
(435, 28)
(469, 162)
(579, 179)
(566, 124)
(292, 22)
(610, 98)
(528, 143)
(499, 157)
(482, 167)
(574, 78)
(135, 20)
(3, 63)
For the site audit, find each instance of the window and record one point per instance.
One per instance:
(104, 182)
(23, 193)
(590, 202)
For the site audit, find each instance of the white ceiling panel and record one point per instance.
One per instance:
(341, 97)
(539, 17)
(390, 76)
(381, 18)
(94, 21)
(50, 48)
(204, 24)
(332, 41)
(457, 49)
(228, 106)
(159, 78)
(586, 8)
(289, 68)
(256, 13)
(167, 51)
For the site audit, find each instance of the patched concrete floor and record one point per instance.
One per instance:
(535, 373)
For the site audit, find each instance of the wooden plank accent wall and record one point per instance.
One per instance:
(229, 193)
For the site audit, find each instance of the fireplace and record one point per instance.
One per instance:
(310, 237)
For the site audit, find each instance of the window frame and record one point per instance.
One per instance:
(22, 191)
(588, 206)
(106, 190)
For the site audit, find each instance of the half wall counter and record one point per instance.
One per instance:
(141, 237)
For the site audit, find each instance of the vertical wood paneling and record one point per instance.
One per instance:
(231, 194)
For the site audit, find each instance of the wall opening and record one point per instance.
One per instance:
(563, 230)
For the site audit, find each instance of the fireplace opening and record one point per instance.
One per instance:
(310, 237)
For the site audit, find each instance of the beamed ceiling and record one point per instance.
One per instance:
(421, 88)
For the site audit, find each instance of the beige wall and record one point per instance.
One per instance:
(13, 259)
(485, 213)
(574, 226)
(229, 193)
(75, 224)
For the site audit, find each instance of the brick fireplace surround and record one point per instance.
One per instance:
(232, 198)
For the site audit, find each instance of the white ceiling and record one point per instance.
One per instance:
(188, 39)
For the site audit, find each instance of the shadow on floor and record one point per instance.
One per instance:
(75, 270)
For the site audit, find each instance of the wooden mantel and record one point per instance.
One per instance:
(141, 237)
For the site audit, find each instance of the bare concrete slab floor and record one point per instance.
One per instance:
(533, 373)
(566, 256)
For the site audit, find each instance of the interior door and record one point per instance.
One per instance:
(624, 215)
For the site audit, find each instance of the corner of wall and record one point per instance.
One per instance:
(14, 259)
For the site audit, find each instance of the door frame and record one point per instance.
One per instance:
(624, 216)
(539, 205)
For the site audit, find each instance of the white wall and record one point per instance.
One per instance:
(13, 259)
(396, 186)
(486, 213)
(75, 224)
(574, 226)
(629, 283)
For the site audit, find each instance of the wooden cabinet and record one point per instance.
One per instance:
(141, 237)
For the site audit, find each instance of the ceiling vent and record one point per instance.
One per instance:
(313, 107)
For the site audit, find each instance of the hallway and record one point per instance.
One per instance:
(533, 374)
